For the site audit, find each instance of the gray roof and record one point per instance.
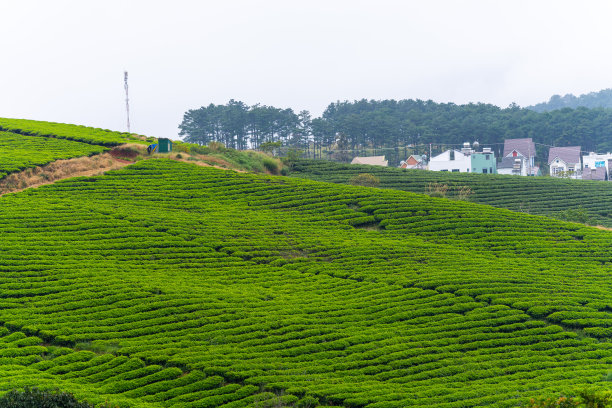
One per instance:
(569, 154)
(598, 173)
(526, 147)
(506, 163)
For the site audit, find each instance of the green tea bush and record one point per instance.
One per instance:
(256, 286)
(38, 398)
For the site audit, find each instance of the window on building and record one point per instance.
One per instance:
(491, 170)
(455, 170)
(487, 157)
(484, 171)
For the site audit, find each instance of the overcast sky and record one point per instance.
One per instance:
(63, 61)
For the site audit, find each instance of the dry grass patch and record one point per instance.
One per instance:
(60, 169)
(601, 227)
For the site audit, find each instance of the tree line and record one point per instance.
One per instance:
(395, 128)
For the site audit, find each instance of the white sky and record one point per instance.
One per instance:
(63, 60)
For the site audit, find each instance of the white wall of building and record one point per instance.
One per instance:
(442, 162)
(594, 160)
(505, 171)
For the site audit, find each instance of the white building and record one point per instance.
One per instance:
(466, 160)
(594, 160)
(564, 161)
(451, 160)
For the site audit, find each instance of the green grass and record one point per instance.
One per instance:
(19, 152)
(535, 195)
(269, 287)
(217, 155)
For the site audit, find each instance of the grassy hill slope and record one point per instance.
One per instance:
(535, 195)
(279, 289)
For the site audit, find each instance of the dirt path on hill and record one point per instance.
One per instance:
(59, 170)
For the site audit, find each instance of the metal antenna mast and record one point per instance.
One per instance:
(127, 100)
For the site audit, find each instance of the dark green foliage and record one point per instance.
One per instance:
(394, 124)
(269, 147)
(238, 125)
(37, 398)
(396, 128)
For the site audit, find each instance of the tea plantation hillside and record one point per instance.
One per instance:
(77, 133)
(165, 284)
(19, 152)
(28, 143)
(535, 195)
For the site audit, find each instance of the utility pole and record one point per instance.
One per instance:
(127, 100)
(529, 159)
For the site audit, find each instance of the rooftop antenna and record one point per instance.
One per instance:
(127, 100)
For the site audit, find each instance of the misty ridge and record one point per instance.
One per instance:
(601, 99)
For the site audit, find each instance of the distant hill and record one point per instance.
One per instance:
(601, 99)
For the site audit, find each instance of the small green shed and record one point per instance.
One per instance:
(164, 145)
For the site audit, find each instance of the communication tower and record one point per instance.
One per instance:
(127, 100)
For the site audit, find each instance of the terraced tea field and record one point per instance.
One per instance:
(19, 152)
(535, 195)
(77, 133)
(165, 284)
